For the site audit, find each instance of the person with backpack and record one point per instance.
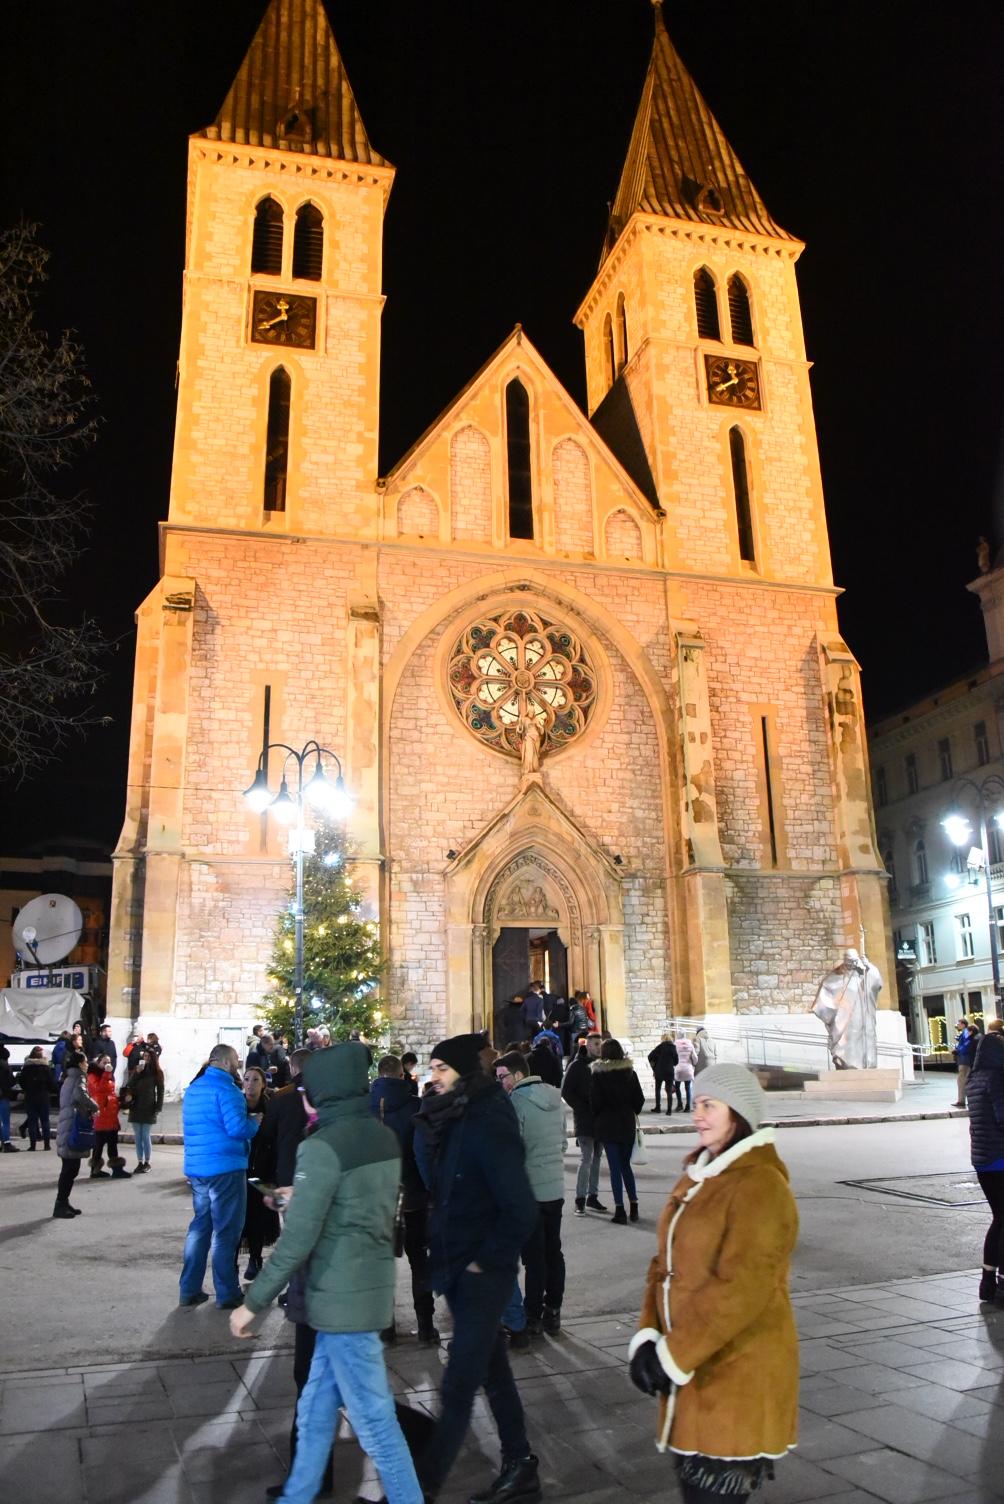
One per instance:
(74, 1133)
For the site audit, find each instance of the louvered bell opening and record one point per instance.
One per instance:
(308, 244)
(706, 303)
(266, 245)
(740, 313)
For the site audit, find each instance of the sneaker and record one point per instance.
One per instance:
(595, 1204)
(228, 1305)
(10, 1148)
(535, 1325)
(580, 1206)
(552, 1319)
(194, 1300)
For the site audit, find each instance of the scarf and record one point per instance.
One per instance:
(440, 1109)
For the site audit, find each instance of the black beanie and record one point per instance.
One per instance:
(462, 1053)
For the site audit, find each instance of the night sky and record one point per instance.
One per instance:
(872, 130)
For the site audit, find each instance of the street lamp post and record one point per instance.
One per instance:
(325, 796)
(988, 796)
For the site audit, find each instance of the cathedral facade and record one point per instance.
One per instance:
(584, 673)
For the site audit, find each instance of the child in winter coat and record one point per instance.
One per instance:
(101, 1089)
(684, 1073)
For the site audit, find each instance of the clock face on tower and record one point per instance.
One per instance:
(283, 318)
(732, 383)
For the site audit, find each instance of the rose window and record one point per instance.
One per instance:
(516, 665)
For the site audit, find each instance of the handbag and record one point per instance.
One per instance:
(81, 1135)
(638, 1154)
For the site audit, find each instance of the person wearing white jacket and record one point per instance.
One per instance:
(684, 1073)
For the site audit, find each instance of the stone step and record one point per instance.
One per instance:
(880, 1085)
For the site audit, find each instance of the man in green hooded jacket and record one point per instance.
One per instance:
(341, 1218)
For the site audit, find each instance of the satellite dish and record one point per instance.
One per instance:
(48, 928)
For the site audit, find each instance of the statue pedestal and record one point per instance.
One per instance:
(882, 1085)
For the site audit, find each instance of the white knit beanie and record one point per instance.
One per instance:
(737, 1087)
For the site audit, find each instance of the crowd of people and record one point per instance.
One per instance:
(337, 1162)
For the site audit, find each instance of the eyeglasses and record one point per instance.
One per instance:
(503, 1075)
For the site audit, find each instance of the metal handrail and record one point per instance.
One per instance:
(688, 1025)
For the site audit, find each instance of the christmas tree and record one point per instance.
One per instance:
(341, 950)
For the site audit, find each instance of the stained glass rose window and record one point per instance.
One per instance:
(519, 664)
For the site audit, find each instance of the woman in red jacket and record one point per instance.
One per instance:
(101, 1088)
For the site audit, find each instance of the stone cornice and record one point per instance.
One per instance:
(497, 557)
(291, 164)
(697, 234)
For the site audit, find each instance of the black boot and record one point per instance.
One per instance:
(988, 1285)
(428, 1334)
(389, 1335)
(552, 1319)
(61, 1209)
(619, 1216)
(10, 1148)
(517, 1480)
(634, 1211)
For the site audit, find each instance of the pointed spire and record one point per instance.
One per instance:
(679, 162)
(292, 91)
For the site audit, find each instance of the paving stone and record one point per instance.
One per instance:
(49, 1407)
(893, 1477)
(48, 1474)
(891, 1354)
(823, 1357)
(942, 1404)
(953, 1374)
(875, 1378)
(896, 1426)
(819, 1437)
(798, 1479)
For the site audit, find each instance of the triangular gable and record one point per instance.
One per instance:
(488, 373)
(292, 91)
(532, 810)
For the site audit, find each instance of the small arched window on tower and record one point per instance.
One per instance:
(308, 243)
(620, 336)
(741, 491)
(517, 427)
(609, 360)
(277, 441)
(266, 243)
(706, 304)
(740, 311)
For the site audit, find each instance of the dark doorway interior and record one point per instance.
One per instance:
(521, 956)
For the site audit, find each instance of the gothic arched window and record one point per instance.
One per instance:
(277, 440)
(740, 311)
(741, 492)
(609, 359)
(920, 862)
(308, 243)
(517, 430)
(266, 243)
(517, 664)
(620, 339)
(706, 304)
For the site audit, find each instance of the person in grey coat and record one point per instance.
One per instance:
(73, 1099)
(540, 1113)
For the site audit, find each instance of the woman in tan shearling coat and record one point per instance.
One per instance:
(717, 1337)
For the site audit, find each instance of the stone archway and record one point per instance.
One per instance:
(533, 866)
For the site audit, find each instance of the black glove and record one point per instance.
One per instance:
(647, 1373)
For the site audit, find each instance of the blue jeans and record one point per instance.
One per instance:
(478, 1356)
(514, 1316)
(4, 1120)
(621, 1173)
(141, 1137)
(219, 1203)
(347, 1373)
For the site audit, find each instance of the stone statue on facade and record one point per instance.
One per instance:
(846, 1003)
(529, 745)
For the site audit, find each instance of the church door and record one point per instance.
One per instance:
(510, 964)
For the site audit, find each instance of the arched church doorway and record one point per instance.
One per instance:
(523, 954)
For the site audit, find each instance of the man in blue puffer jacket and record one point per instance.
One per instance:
(217, 1131)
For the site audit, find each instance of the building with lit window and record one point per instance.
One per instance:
(942, 760)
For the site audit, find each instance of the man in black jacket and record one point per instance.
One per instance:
(576, 1093)
(394, 1103)
(482, 1211)
(270, 1058)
